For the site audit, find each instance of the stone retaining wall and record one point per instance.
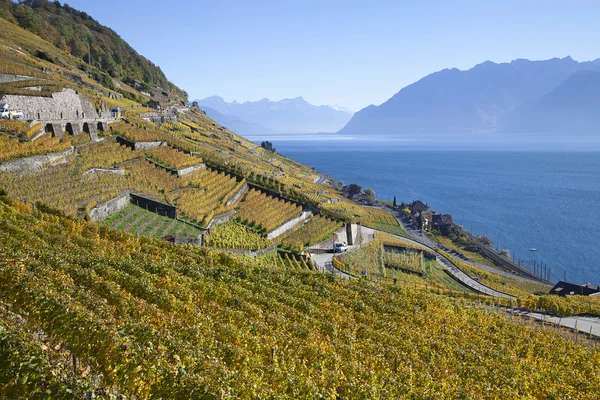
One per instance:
(220, 219)
(154, 206)
(256, 253)
(112, 206)
(138, 145)
(288, 225)
(36, 163)
(105, 171)
(8, 78)
(188, 170)
(61, 106)
(238, 195)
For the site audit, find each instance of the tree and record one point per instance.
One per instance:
(406, 211)
(505, 253)
(268, 146)
(353, 189)
(394, 204)
(370, 195)
(485, 240)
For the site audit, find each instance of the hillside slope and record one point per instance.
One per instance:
(163, 320)
(80, 35)
(455, 101)
(139, 261)
(572, 108)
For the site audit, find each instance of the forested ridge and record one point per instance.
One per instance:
(85, 38)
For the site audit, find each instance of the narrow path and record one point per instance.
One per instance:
(322, 179)
(582, 323)
(466, 280)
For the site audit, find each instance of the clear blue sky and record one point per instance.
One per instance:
(353, 53)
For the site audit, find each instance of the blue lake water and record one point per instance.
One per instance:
(544, 200)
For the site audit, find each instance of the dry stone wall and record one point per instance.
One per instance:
(61, 106)
(188, 170)
(220, 219)
(238, 195)
(104, 210)
(36, 163)
(288, 225)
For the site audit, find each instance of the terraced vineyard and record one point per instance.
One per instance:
(105, 154)
(205, 197)
(163, 320)
(404, 261)
(140, 222)
(232, 235)
(316, 230)
(266, 212)
(372, 217)
(12, 148)
(171, 158)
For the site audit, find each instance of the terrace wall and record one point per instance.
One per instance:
(112, 206)
(154, 206)
(36, 163)
(288, 225)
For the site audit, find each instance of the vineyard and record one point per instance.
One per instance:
(11, 148)
(404, 261)
(151, 319)
(266, 212)
(316, 230)
(285, 261)
(205, 197)
(232, 235)
(16, 128)
(105, 154)
(171, 158)
(137, 221)
(372, 217)
(171, 126)
(136, 133)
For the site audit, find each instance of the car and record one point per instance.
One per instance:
(4, 111)
(340, 247)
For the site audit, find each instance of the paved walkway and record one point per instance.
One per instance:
(581, 323)
(469, 282)
(324, 261)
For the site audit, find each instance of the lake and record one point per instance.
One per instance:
(522, 200)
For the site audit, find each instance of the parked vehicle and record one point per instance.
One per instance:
(7, 113)
(340, 247)
(4, 111)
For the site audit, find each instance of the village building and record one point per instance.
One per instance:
(419, 216)
(442, 223)
(155, 105)
(565, 288)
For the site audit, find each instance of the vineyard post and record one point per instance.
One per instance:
(74, 364)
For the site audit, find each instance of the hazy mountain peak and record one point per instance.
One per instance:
(474, 100)
(294, 115)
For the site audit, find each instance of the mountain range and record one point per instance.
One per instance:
(267, 117)
(559, 95)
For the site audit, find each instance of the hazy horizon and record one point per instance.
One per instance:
(345, 53)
